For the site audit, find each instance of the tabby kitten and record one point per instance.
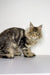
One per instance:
(15, 41)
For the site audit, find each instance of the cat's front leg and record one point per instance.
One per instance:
(28, 53)
(17, 52)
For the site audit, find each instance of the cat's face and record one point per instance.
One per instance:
(34, 32)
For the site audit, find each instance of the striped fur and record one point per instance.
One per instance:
(14, 41)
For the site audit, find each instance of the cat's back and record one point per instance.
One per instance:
(11, 31)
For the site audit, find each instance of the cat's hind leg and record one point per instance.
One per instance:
(28, 53)
(9, 53)
(6, 56)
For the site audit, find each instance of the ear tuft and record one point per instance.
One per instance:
(31, 25)
(40, 27)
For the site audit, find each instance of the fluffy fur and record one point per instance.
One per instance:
(15, 41)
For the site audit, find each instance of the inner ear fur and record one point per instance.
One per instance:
(31, 26)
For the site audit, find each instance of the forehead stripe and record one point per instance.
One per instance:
(35, 29)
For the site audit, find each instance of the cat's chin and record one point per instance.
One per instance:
(34, 38)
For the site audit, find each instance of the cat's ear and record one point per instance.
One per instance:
(40, 27)
(31, 25)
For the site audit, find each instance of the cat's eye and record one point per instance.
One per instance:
(38, 34)
(30, 32)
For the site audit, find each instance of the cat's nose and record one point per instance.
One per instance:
(34, 35)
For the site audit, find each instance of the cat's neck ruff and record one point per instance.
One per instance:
(32, 40)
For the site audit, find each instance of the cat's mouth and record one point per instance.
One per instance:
(35, 37)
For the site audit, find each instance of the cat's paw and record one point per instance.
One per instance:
(6, 57)
(29, 55)
(17, 54)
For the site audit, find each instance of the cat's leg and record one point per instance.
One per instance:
(17, 52)
(28, 53)
(6, 55)
(9, 53)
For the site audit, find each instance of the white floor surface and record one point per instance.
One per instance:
(20, 65)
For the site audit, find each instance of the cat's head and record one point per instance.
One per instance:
(34, 32)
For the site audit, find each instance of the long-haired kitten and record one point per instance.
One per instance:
(15, 41)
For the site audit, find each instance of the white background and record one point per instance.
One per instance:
(19, 13)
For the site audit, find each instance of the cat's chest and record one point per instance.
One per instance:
(30, 42)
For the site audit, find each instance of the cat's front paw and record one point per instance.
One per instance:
(29, 55)
(17, 54)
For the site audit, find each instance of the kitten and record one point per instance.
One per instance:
(13, 41)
